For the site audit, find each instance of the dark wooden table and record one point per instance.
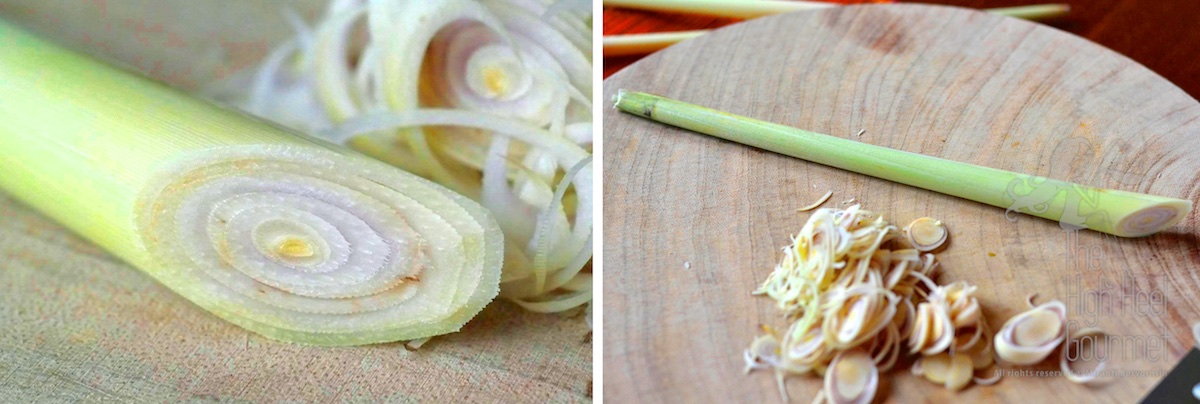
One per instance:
(1163, 35)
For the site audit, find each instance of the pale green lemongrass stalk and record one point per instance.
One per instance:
(1120, 213)
(641, 44)
(722, 8)
(761, 8)
(287, 236)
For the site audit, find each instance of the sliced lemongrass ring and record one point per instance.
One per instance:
(1031, 336)
(851, 378)
(926, 234)
(1065, 363)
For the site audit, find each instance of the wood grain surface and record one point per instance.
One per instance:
(77, 325)
(693, 224)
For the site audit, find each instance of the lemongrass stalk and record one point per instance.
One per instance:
(1034, 12)
(722, 8)
(1120, 213)
(641, 44)
(284, 235)
(761, 8)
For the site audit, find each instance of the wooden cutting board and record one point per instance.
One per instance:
(79, 326)
(693, 224)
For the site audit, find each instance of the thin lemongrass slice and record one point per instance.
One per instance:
(981, 353)
(852, 378)
(818, 203)
(961, 372)
(759, 8)
(284, 235)
(1064, 362)
(935, 368)
(1031, 336)
(926, 234)
(762, 353)
(1120, 213)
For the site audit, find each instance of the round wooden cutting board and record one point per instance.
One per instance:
(693, 224)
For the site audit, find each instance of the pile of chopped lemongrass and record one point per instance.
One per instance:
(442, 88)
(860, 293)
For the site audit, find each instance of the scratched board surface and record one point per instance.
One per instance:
(693, 224)
(78, 326)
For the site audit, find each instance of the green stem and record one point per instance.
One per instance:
(1120, 213)
(760, 8)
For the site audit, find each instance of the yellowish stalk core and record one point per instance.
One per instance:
(1041, 327)
(853, 375)
(926, 234)
(496, 80)
(292, 247)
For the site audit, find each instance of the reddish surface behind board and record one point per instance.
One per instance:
(1161, 35)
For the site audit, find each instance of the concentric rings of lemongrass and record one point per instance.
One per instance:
(852, 378)
(491, 77)
(1031, 336)
(856, 315)
(804, 350)
(307, 245)
(521, 64)
(544, 260)
(926, 234)
(1153, 219)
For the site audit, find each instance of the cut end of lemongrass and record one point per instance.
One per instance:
(1153, 219)
(492, 99)
(358, 252)
(292, 238)
(617, 98)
